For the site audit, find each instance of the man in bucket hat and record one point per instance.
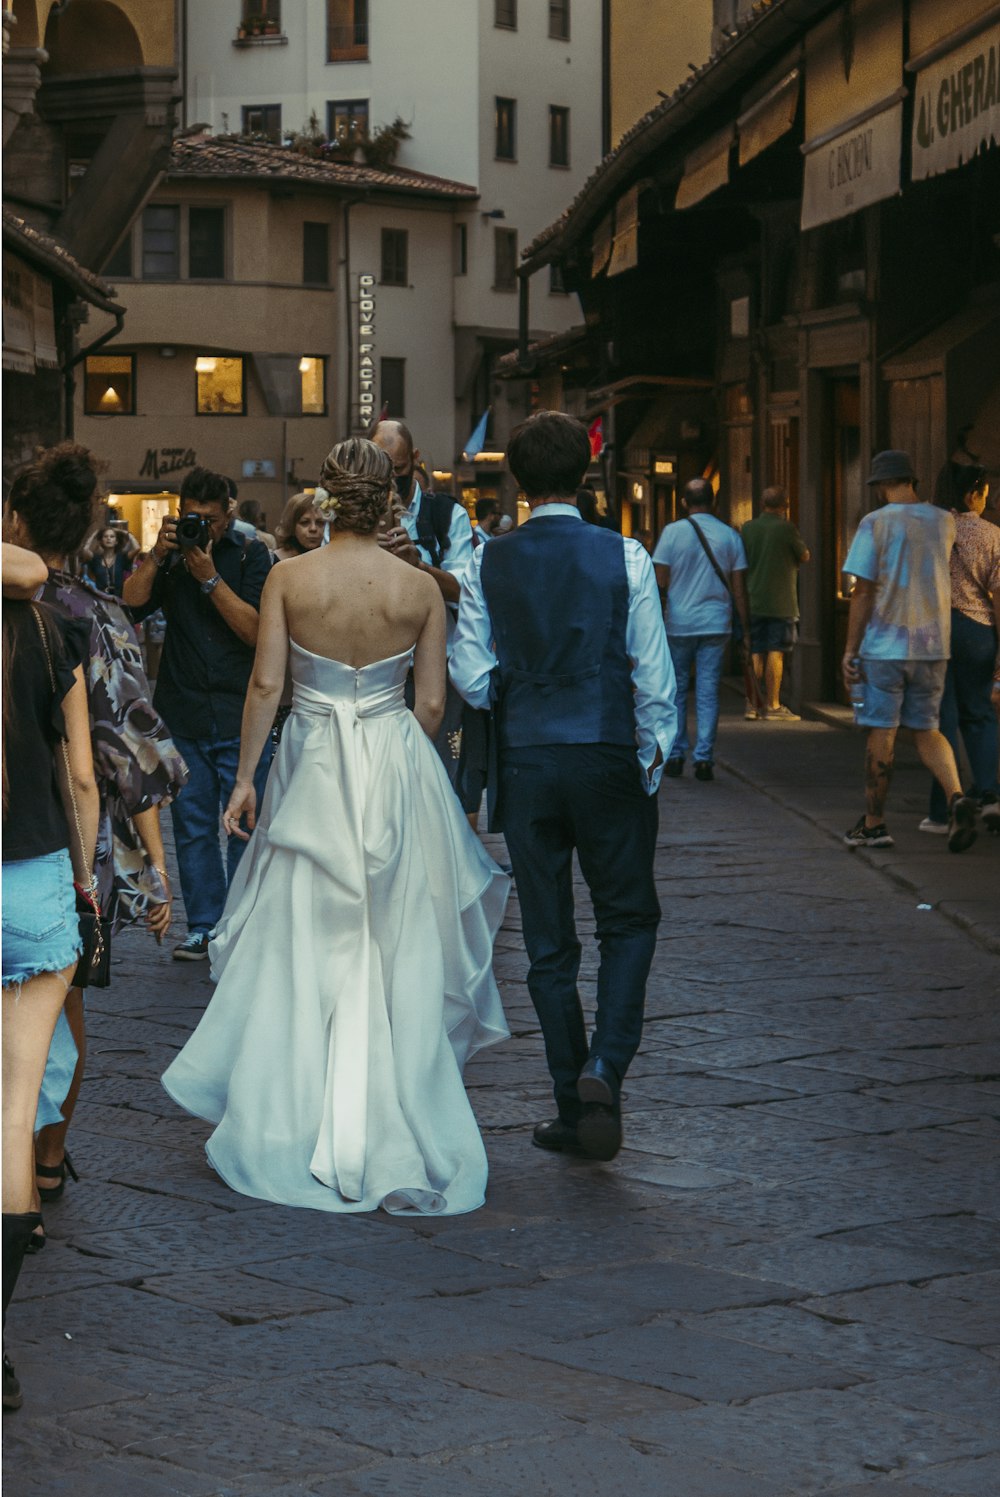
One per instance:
(899, 642)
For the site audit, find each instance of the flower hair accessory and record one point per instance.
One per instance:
(327, 503)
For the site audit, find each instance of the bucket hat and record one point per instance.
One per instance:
(891, 467)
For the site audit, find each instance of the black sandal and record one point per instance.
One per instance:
(58, 1172)
(36, 1241)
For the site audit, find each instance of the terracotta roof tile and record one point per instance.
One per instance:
(218, 156)
(25, 239)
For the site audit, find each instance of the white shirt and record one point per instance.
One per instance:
(458, 554)
(473, 660)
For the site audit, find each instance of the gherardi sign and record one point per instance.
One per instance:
(956, 106)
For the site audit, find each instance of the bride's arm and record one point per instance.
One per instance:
(263, 696)
(430, 671)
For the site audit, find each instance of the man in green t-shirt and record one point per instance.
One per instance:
(775, 551)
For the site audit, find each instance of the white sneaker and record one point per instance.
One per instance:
(751, 714)
(781, 714)
(936, 828)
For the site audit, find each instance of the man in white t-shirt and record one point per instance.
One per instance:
(899, 642)
(700, 565)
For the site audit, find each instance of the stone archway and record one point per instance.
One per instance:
(90, 36)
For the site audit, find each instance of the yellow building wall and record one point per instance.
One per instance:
(89, 28)
(651, 44)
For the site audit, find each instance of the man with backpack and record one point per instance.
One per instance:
(700, 565)
(435, 534)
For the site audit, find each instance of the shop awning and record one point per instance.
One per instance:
(706, 169)
(854, 116)
(972, 333)
(769, 118)
(625, 249)
(956, 106)
(603, 239)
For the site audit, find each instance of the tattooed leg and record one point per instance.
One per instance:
(878, 773)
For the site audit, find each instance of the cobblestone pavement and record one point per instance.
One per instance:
(786, 1284)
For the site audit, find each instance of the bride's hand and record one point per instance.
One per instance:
(242, 802)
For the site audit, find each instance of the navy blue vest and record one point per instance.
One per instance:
(557, 594)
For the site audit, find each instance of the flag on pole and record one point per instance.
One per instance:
(477, 437)
(596, 434)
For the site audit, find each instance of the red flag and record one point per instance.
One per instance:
(596, 434)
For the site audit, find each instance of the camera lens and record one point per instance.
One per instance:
(192, 530)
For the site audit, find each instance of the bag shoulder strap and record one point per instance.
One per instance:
(710, 554)
(77, 829)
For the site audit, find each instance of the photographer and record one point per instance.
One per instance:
(208, 580)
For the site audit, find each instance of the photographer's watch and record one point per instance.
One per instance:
(210, 584)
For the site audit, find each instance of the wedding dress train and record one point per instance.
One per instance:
(354, 967)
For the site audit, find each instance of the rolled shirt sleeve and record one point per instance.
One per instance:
(862, 557)
(460, 549)
(653, 679)
(472, 661)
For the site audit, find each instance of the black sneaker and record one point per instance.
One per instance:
(674, 768)
(703, 771)
(868, 836)
(193, 949)
(961, 823)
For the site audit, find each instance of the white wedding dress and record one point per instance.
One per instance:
(354, 967)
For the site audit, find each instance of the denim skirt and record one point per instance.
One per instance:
(41, 932)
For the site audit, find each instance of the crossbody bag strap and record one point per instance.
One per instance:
(81, 847)
(711, 556)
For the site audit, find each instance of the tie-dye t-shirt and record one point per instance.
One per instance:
(904, 549)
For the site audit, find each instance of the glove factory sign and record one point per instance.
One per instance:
(366, 350)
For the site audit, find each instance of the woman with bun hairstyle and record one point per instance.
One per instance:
(330, 1058)
(52, 505)
(48, 789)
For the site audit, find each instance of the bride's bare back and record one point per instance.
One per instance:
(351, 601)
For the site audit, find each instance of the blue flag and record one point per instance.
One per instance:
(478, 437)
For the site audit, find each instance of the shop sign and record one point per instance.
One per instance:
(366, 350)
(158, 463)
(858, 167)
(956, 106)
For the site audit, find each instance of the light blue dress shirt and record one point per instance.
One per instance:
(472, 659)
(458, 554)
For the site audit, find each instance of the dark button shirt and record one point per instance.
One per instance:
(205, 667)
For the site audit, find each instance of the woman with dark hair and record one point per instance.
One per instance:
(300, 528)
(973, 679)
(50, 509)
(330, 1058)
(48, 789)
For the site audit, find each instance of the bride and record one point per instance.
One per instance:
(354, 956)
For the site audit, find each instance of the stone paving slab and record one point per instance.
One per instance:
(787, 1283)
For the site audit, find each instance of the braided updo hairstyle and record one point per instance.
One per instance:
(56, 497)
(355, 483)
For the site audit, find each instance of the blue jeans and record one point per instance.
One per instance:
(967, 709)
(703, 652)
(205, 880)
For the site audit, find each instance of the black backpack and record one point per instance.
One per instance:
(434, 524)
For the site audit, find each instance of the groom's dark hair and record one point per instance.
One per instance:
(548, 455)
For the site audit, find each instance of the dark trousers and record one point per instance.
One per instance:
(967, 707)
(588, 797)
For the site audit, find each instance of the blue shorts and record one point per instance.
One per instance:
(41, 932)
(768, 635)
(902, 693)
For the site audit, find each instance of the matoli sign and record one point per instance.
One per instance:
(366, 350)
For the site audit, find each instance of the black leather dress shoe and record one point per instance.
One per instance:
(598, 1082)
(599, 1131)
(556, 1136)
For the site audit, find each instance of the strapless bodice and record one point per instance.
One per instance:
(321, 686)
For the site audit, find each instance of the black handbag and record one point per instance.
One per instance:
(93, 970)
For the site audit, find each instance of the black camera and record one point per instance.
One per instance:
(193, 531)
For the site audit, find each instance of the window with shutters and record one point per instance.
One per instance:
(504, 259)
(316, 254)
(559, 20)
(558, 135)
(505, 124)
(206, 244)
(394, 257)
(505, 14)
(347, 30)
(161, 242)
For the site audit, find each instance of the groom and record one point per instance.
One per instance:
(559, 627)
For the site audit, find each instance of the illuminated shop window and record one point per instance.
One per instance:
(221, 386)
(109, 385)
(313, 372)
